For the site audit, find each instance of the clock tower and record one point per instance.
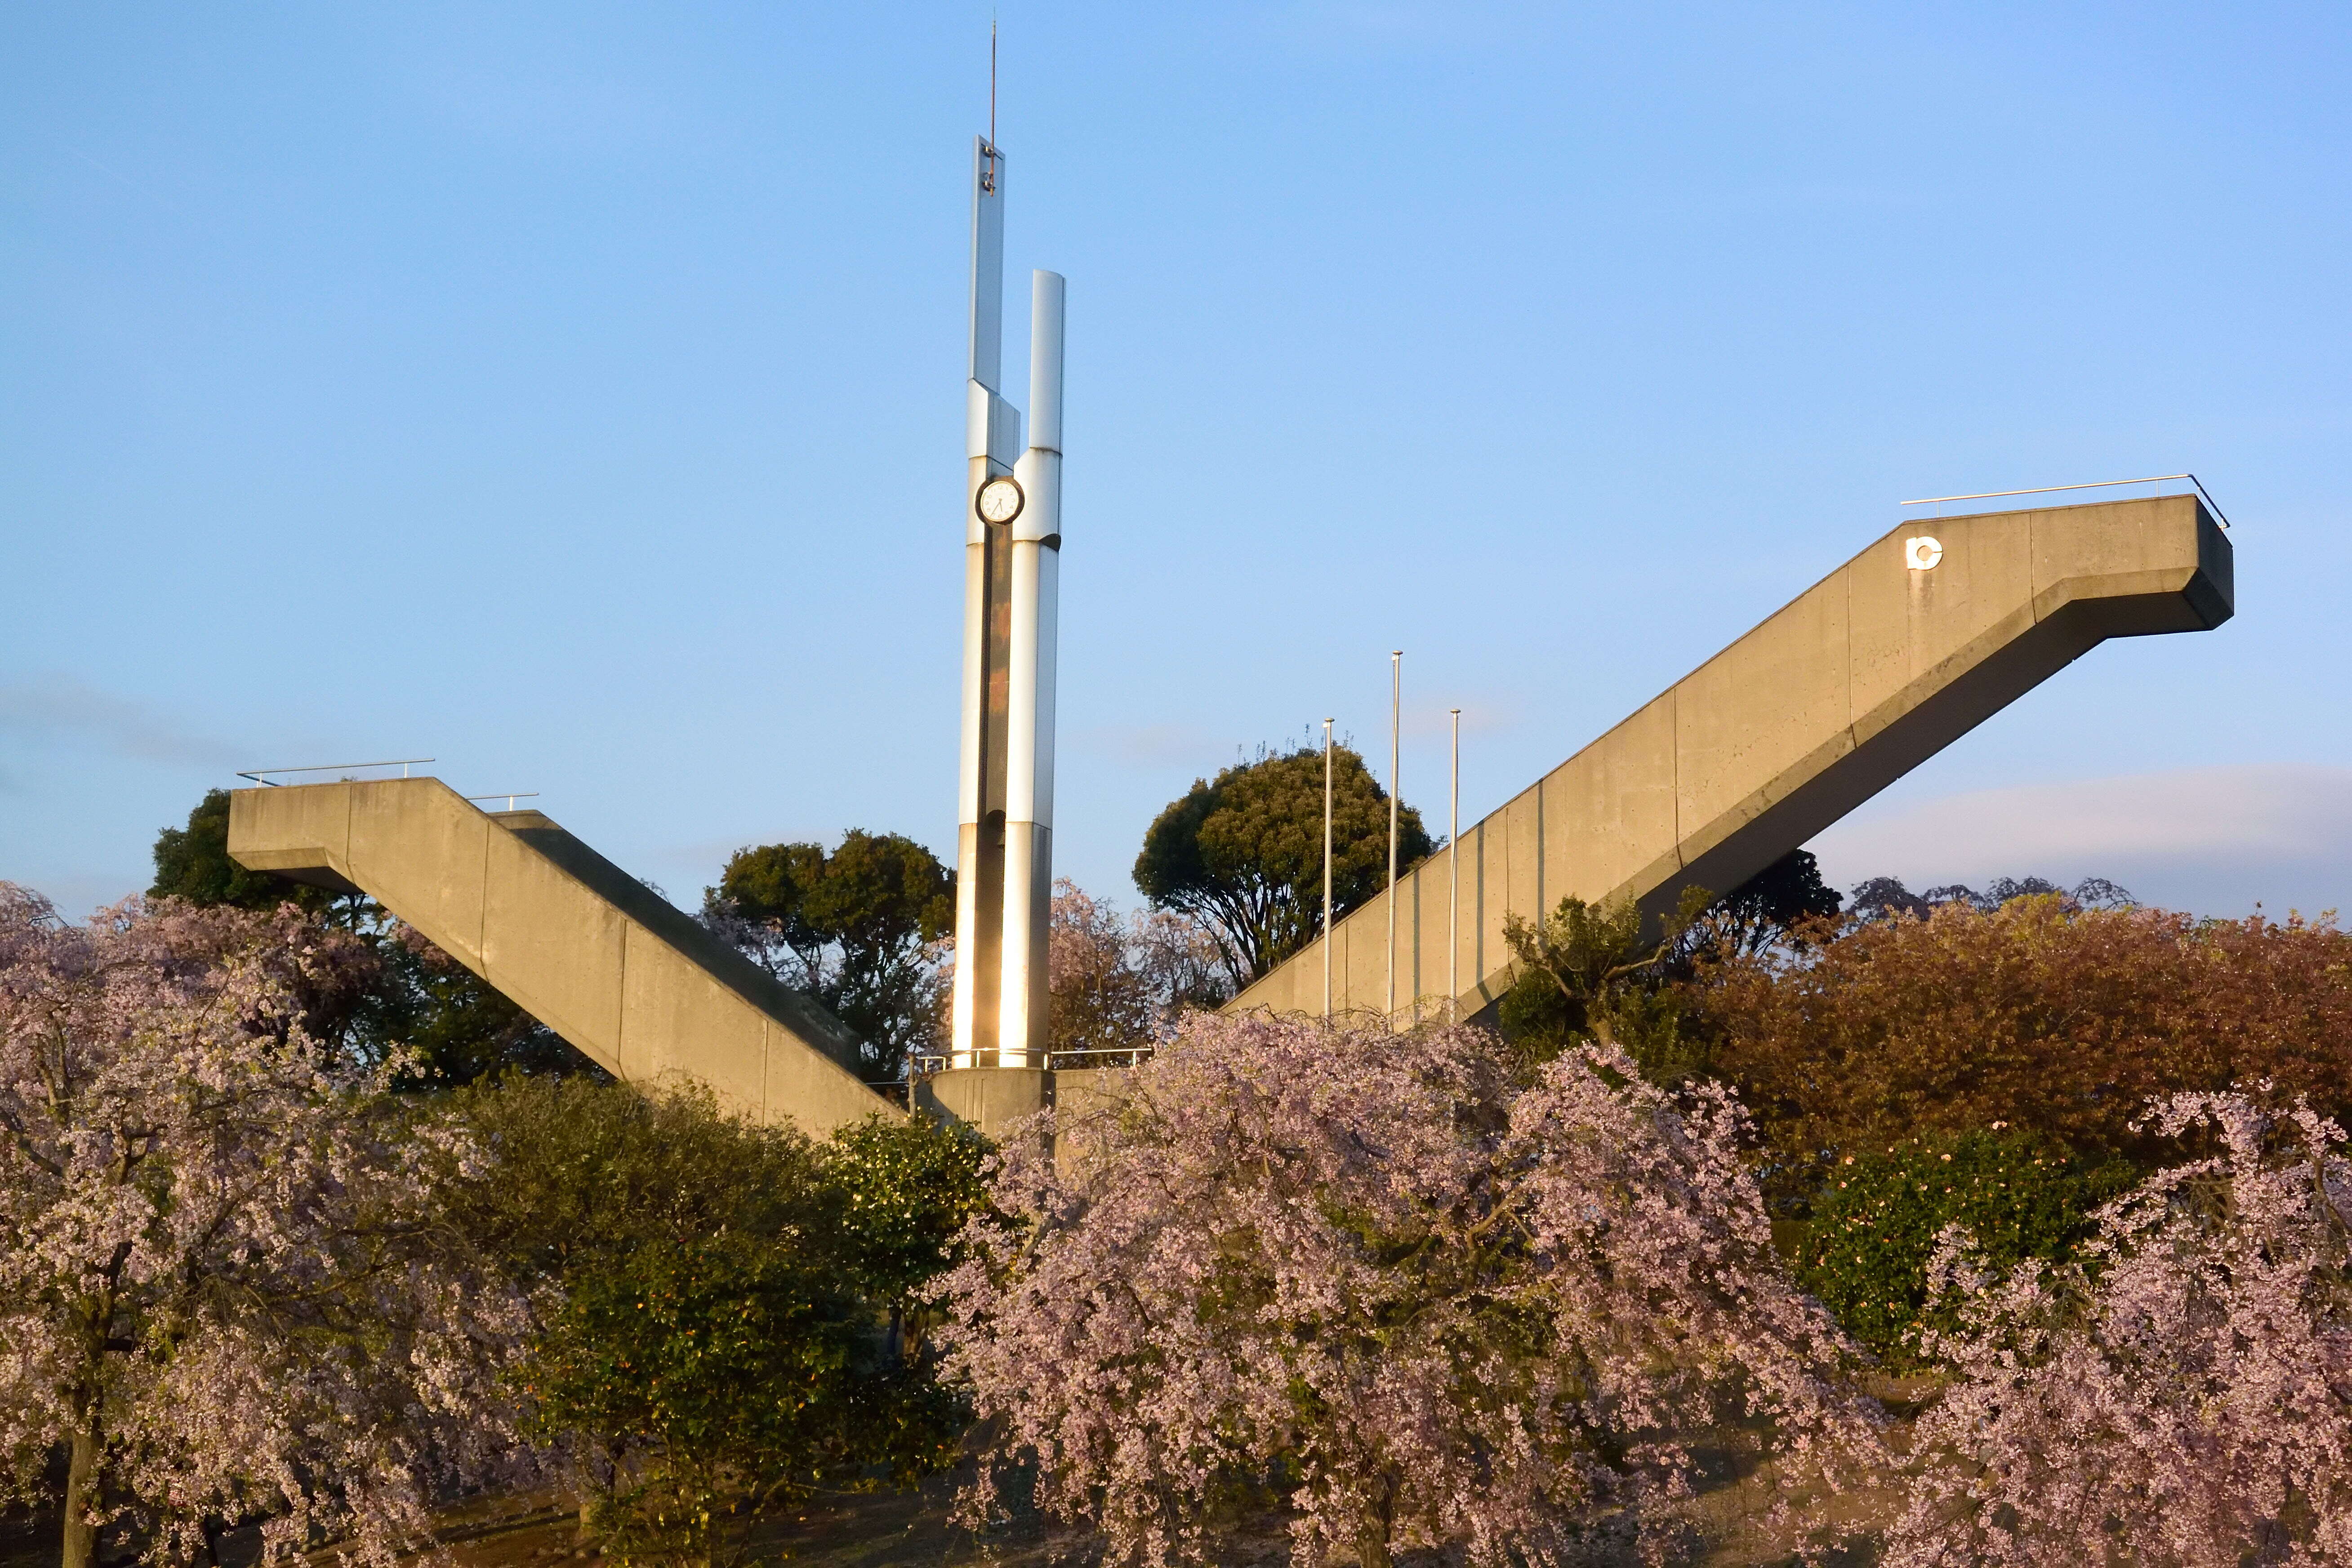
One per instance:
(1013, 543)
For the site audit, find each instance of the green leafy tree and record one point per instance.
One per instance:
(1597, 972)
(907, 1186)
(1772, 907)
(857, 929)
(711, 1297)
(1243, 854)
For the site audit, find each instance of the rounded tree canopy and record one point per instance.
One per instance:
(1243, 853)
(878, 891)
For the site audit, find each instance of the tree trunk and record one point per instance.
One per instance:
(1380, 1523)
(80, 1545)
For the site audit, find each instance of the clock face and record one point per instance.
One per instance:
(999, 499)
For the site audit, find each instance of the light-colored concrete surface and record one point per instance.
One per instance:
(635, 983)
(992, 1099)
(1851, 685)
(1079, 1091)
(988, 1098)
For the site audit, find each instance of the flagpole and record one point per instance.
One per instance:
(1453, 875)
(1396, 718)
(1327, 870)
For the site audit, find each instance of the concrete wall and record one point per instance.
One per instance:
(1835, 696)
(994, 1098)
(633, 984)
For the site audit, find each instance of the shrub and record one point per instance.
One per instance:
(711, 1297)
(908, 1187)
(710, 1376)
(2055, 1020)
(1875, 1225)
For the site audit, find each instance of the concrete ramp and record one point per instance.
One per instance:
(1863, 677)
(637, 986)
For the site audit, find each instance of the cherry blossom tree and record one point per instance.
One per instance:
(2179, 1395)
(1117, 982)
(1375, 1281)
(224, 1291)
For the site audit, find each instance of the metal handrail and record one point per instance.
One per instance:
(2100, 485)
(918, 1062)
(509, 795)
(258, 774)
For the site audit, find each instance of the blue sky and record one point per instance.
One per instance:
(571, 393)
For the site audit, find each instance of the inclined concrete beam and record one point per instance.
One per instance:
(1848, 687)
(635, 984)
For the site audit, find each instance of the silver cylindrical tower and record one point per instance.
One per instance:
(1013, 537)
(979, 858)
(1036, 544)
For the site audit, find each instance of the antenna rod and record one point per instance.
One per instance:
(992, 83)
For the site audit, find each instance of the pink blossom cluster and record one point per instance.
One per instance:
(223, 1286)
(1373, 1279)
(1120, 982)
(2182, 1393)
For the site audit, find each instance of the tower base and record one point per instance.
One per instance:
(988, 1100)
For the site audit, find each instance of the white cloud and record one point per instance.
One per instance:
(2216, 840)
(67, 707)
